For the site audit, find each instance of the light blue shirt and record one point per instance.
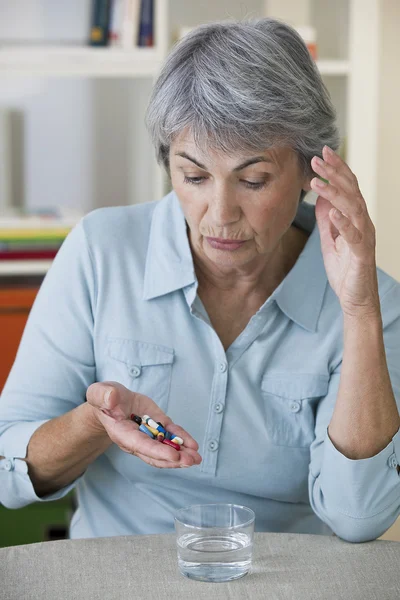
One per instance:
(120, 303)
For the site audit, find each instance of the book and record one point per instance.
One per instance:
(130, 24)
(117, 13)
(30, 244)
(100, 23)
(34, 255)
(146, 23)
(35, 236)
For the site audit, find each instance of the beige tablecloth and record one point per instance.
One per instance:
(285, 567)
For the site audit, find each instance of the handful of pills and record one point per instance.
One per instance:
(157, 431)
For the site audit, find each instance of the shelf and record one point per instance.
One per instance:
(24, 267)
(81, 61)
(333, 67)
(84, 61)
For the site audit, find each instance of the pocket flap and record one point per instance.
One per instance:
(299, 385)
(134, 352)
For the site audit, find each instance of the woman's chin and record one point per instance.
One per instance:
(237, 257)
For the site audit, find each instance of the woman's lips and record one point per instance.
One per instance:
(222, 244)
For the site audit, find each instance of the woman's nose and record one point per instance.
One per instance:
(224, 209)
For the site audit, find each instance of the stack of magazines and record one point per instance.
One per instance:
(34, 236)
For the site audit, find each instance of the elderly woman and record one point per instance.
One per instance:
(230, 311)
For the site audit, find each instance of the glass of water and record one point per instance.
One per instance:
(215, 541)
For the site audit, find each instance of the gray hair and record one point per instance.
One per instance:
(242, 86)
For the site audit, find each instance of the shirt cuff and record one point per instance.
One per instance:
(16, 489)
(364, 487)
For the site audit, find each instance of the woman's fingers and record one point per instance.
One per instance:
(187, 458)
(188, 454)
(104, 395)
(188, 441)
(116, 403)
(127, 436)
(163, 464)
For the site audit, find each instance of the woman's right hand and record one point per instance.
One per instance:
(113, 405)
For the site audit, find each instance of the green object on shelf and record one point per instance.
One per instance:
(32, 523)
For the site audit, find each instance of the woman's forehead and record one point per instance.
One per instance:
(206, 153)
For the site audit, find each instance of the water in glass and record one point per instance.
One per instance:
(217, 557)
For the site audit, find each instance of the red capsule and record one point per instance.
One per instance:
(137, 419)
(172, 444)
(160, 437)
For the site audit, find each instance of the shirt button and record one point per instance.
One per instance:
(295, 407)
(135, 371)
(222, 367)
(8, 465)
(392, 461)
(213, 445)
(219, 407)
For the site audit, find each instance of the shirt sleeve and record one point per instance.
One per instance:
(359, 499)
(53, 367)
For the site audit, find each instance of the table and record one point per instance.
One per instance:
(286, 567)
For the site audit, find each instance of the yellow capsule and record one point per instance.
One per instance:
(153, 431)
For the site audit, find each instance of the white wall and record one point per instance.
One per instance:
(388, 145)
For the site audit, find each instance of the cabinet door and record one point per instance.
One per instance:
(15, 305)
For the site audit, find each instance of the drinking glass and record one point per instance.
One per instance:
(214, 541)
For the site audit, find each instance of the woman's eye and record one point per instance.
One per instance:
(194, 180)
(254, 185)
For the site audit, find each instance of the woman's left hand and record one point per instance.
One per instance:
(347, 236)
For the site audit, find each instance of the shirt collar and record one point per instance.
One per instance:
(300, 295)
(169, 263)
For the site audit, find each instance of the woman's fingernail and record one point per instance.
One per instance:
(184, 466)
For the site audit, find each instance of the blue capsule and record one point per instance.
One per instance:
(147, 431)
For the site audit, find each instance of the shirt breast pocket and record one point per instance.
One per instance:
(290, 403)
(141, 367)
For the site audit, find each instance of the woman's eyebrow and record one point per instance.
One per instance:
(193, 160)
(250, 161)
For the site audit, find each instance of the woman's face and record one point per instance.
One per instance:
(239, 206)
